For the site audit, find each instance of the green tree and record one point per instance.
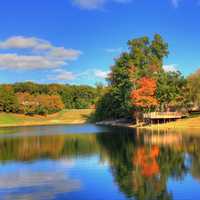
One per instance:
(144, 59)
(194, 89)
(8, 100)
(29, 87)
(78, 97)
(171, 90)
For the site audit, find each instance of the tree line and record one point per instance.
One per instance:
(32, 98)
(138, 83)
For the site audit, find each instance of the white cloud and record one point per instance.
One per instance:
(89, 4)
(40, 54)
(93, 74)
(95, 4)
(62, 53)
(101, 74)
(21, 42)
(15, 61)
(170, 68)
(62, 75)
(113, 50)
(175, 3)
(122, 1)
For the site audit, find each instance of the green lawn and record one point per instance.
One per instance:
(63, 117)
(7, 118)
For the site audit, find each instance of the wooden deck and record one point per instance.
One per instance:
(163, 115)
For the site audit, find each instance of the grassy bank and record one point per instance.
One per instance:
(63, 117)
(187, 124)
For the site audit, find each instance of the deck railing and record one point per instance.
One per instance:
(162, 115)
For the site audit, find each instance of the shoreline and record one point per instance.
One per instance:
(40, 124)
(112, 123)
(117, 123)
(75, 122)
(182, 124)
(66, 118)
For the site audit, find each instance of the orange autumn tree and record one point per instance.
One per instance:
(145, 95)
(39, 104)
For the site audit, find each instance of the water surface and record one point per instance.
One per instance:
(88, 162)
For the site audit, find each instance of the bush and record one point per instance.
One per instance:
(41, 111)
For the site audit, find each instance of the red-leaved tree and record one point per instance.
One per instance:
(145, 94)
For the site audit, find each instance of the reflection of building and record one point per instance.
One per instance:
(163, 139)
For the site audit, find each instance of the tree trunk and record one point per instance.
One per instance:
(137, 116)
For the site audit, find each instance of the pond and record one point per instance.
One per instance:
(88, 162)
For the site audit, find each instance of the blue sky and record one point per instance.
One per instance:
(76, 41)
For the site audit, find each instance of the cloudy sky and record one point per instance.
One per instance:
(76, 41)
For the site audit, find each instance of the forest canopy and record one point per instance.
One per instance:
(31, 98)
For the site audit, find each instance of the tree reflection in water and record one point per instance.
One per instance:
(141, 164)
(143, 167)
